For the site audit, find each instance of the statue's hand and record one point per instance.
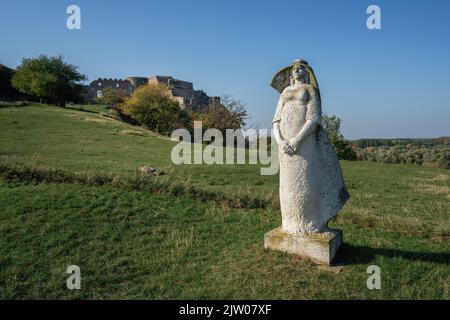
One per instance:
(287, 148)
(284, 146)
(291, 148)
(293, 145)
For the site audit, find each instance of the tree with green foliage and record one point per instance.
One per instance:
(152, 106)
(50, 79)
(343, 148)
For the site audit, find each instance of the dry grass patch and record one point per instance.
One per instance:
(97, 120)
(407, 225)
(431, 188)
(440, 178)
(129, 132)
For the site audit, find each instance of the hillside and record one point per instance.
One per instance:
(70, 194)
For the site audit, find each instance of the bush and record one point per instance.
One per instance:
(407, 154)
(343, 148)
(152, 106)
(112, 97)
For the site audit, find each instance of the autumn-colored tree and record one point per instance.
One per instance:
(152, 106)
(230, 113)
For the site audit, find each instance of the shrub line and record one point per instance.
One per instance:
(139, 182)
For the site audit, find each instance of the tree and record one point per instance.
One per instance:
(7, 92)
(230, 113)
(343, 148)
(237, 110)
(152, 106)
(49, 78)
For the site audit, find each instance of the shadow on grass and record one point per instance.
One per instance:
(13, 105)
(80, 109)
(354, 255)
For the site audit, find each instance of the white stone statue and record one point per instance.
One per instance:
(312, 189)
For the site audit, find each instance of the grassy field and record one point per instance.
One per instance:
(133, 241)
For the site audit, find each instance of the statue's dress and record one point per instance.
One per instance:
(312, 188)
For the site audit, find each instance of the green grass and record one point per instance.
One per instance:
(84, 141)
(145, 240)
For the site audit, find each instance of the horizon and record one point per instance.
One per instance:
(368, 78)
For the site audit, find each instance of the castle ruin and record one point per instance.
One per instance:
(181, 91)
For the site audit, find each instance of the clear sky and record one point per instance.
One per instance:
(392, 82)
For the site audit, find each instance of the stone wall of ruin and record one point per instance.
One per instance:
(181, 91)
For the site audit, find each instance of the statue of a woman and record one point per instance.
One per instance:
(312, 189)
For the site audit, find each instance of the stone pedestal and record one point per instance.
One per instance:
(319, 247)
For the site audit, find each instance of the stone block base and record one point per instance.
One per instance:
(319, 247)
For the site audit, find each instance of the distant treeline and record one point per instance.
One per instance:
(428, 152)
(418, 142)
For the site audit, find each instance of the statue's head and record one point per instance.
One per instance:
(299, 71)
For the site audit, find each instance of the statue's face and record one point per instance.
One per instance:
(299, 73)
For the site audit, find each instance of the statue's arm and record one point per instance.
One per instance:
(276, 126)
(276, 132)
(313, 119)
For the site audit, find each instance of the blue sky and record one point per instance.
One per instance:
(392, 82)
